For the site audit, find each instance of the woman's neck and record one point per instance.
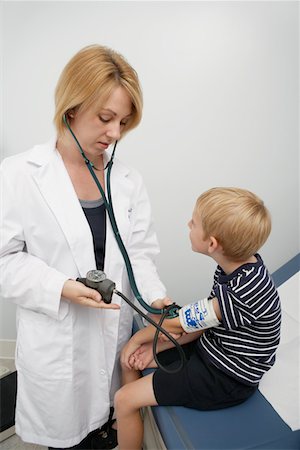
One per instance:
(71, 154)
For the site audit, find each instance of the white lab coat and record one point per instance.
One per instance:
(65, 353)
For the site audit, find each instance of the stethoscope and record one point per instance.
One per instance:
(170, 311)
(109, 208)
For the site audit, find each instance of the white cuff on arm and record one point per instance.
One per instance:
(198, 316)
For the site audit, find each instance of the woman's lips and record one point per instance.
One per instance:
(104, 145)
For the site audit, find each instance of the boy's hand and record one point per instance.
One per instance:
(128, 350)
(143, 357)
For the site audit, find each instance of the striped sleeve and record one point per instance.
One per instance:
(244, 303)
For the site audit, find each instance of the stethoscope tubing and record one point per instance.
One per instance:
(109, 208)
(171, 310)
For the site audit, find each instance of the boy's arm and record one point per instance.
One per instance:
(147, 334)
(170, 325)
(174, 326)
(183, 339)
(217, 308)
(143, 357)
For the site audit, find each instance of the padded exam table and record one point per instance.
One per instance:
(254, 424)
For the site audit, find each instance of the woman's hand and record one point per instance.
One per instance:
(161, 303)
(78, 293)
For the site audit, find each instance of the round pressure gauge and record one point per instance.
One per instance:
(93, 277)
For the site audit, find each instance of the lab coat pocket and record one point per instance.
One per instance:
(44, 345)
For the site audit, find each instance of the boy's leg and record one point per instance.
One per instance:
(128, 401)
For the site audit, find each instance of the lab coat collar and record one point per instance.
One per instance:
(41, 154)
(57, 189)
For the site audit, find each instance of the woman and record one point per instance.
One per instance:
(54, 229)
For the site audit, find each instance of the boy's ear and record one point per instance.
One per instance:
(213, 244)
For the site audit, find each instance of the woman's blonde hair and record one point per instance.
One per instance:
(237, 218)
(89, 78)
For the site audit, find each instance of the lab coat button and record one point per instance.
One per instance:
(102, 372)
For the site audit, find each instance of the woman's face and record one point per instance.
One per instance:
(96, 130)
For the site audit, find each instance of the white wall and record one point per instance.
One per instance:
(221, 92)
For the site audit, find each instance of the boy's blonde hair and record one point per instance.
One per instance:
(237, 218)
(89, 78)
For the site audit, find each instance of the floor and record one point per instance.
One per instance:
(9, 440)
(15, 443)
(7, 365)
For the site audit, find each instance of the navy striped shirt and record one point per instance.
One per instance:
(245, 343)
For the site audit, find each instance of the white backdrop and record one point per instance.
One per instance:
(221, 94)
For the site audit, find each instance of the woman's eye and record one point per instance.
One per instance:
(104, 119)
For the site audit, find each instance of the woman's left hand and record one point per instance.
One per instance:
(161, 303)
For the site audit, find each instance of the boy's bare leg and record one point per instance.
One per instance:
(128, 401)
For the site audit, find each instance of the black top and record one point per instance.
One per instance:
(94, 211)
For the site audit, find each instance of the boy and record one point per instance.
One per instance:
(230, 338)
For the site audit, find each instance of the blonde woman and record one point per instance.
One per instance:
(54, 228)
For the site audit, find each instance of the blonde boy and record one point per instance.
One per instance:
(230, 338)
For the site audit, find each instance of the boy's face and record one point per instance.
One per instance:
(199, 244)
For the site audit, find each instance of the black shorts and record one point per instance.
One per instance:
(199, 384)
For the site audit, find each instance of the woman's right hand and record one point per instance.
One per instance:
(78, 293)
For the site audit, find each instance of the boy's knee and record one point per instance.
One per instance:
(122, 399)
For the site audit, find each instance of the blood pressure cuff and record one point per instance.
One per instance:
(198, 316)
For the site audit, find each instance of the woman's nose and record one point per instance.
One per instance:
(114, 131)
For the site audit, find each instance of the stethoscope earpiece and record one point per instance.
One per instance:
(65, 115)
